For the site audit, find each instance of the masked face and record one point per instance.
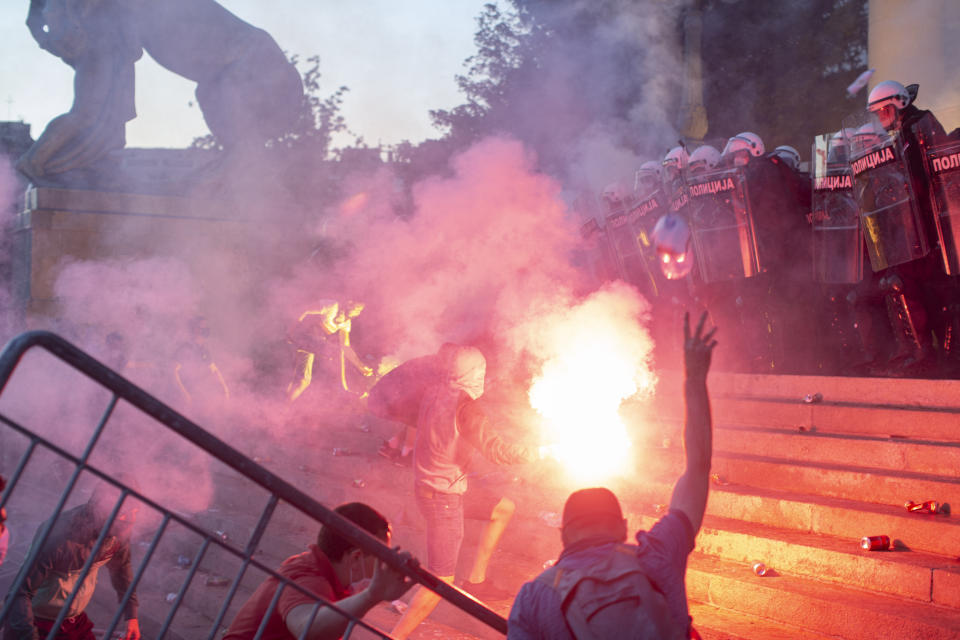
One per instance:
(122, 525)
(361, 570)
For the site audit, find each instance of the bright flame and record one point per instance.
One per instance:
(600, 358)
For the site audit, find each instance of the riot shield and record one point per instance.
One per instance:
(889, 214)
(595, 255)
(943, 172)
(837, 238)
(629, 235)
(834, 217)
(724, 233)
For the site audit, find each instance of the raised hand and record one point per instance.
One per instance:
(697, 348)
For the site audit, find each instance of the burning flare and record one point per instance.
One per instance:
(599, 356)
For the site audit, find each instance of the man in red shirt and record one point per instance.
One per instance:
(331, 569)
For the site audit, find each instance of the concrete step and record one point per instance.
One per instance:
(918, 456)
(891, 391)
(848, 519)
(880, 486)
(823, 608)
(836, 516)
(721, 624)
(929, 423)
(910, 574)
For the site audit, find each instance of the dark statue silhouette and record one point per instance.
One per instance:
(247, 90)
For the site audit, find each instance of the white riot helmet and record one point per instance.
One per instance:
(614, 195)
(746, 141)
(839, 146)
(789, 155)
(888, 92)
(866, 137)
(671, 239)
(677, 158)
(887, 100)
(647, 177)
(704, 158)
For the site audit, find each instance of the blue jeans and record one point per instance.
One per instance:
(444, 515)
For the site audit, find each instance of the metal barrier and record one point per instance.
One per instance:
(278, 489)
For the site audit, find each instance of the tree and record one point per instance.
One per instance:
(554, 74)
(781, 69)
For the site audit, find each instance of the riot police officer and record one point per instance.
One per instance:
(916, 289)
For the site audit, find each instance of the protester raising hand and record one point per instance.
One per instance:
(697, 348)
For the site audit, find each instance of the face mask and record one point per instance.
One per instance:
(359, 580)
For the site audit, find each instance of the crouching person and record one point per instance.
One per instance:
(334, 569)
(603, 588)
(54, 575)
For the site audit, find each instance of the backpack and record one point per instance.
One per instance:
(612, 599)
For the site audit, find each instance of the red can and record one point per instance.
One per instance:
(931, 506)
(875, 543)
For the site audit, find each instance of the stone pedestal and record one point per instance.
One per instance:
(59, 226)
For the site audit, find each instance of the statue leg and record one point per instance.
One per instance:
(254, 99)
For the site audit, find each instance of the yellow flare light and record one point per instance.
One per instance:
(578, 394)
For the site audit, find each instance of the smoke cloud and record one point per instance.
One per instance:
(485, 248)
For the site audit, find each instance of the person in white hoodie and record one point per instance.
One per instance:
(450, 427)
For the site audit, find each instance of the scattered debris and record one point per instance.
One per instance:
(760, 569)
(341, 451)
(171, 597)
(667, 443)
(398, 606)
(261, 460)
(551, 519)
(719, 480)
(861, 81)
(365, 427)
(184, 561)
(216, 581)
(549, 563)
(359, 483)
(875, 543)
(812, 398)
(659, 508)
(930, 506)
(222, 535)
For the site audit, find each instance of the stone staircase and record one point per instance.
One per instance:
(799, 480)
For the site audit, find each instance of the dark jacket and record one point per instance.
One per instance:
(56, 572)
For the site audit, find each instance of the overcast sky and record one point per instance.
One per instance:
(399, 60)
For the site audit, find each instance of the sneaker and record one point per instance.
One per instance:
(486, 590)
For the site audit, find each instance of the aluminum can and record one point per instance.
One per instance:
(930, 506)
(760, 569)
(875, 543)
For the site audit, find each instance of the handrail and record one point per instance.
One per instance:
(123, 388)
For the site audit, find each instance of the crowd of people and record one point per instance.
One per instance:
(774, 251)
(440, 405)
(845, 265)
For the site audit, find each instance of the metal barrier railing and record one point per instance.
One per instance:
(279, 490)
